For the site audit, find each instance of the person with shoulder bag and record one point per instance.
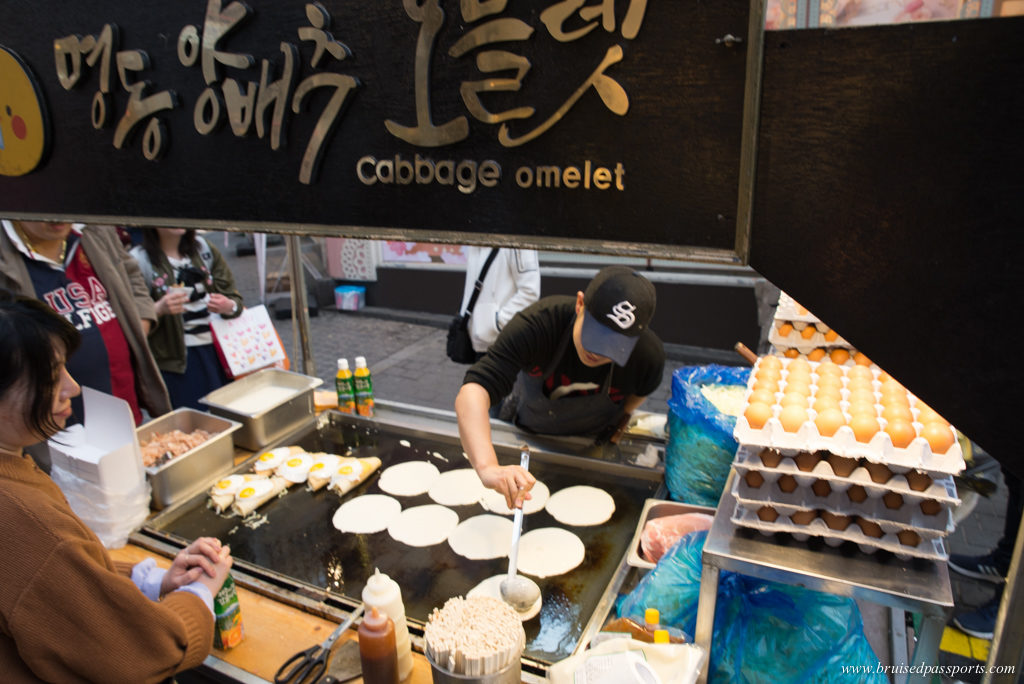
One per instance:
(499, 283)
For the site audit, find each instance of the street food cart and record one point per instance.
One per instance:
(871, 172)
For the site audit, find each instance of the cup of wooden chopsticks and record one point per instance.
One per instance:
(478, 640)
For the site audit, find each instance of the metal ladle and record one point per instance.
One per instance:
(520, 592)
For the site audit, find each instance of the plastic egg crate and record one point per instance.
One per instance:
(894, 513)
(913, 485)
(904, 544)
(916, 455)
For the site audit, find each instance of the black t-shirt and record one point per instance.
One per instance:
(530, 341)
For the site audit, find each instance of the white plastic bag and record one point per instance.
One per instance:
(112, 517)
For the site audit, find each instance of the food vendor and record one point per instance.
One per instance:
(567, 365)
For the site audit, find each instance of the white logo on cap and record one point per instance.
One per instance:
(622, 314)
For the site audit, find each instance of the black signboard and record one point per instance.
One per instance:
(609, 122)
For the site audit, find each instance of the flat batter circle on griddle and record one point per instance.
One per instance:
(460, 487)
(423, 525)
(549, 551)
(581, 506)
(366, 514)
(494, 502)
(482, 537)
(408, 479)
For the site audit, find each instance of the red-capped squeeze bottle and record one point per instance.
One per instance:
(377, 651)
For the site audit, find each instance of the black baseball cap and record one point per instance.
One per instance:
(618, 306)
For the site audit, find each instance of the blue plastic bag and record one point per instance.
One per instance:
(765, 632)
(700, 445)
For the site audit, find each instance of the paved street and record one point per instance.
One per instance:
(406, 355)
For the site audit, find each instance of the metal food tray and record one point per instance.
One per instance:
(658, 508)
(294, 549)
(184, 475)
(272, 421)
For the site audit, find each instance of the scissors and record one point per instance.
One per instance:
(310, 665)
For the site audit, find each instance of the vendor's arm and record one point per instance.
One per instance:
(471, 407)
(629, 406)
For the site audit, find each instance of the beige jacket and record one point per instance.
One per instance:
(128, 296)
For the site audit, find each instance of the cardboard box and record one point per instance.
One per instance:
(103, 450)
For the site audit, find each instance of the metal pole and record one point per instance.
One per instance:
(1007, 652)
(300, 310)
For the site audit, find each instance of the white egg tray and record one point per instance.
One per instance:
(908, 515)
(942, 488)
(931, 549)
(787, 310)
(796, 340)
(917, 455)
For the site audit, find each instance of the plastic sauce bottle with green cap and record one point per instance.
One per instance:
(377, 652)
(346, 388)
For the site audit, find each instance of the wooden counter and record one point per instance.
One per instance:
(273, 631)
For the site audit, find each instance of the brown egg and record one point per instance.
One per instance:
(792, 417)
(901, 432)
(831, 336)
(864, 427)
(862, 408)
(940, 437)
(842, 465)
(767, 513)
(784, 329)
(823, 381)
(793, 399)
(768, 374)
(839, 355)
(879, 473)
(829, 420)
(806, 461)
(791, 353)
(770, 457)
(893, 501)
(754, 479)
(893, 412)
(798, 386)
(770, 362)
(836, 521)
(808, 332)
(761, 396)
(798, 366)
(917, 480)
(770, 384)
(829, 368)
(786, 483)
(757, 414)
(930, 507)
(869, 527)
(816, 354)
(859, 372)
(908, 537)
(803, 517)
(861, 384)
(821, 488)
(861, 359)
(856, 494)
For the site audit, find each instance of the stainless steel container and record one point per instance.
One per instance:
(658, 508)
(269, 404)
(194, 470)
(510, 674)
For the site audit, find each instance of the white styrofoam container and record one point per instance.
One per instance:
(103, 450)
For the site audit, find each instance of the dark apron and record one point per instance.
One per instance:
(570, 415)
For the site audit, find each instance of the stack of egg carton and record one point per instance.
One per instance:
(844, 486)
(797, 333)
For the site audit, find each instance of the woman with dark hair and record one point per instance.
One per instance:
(68, 612)
(189, 280)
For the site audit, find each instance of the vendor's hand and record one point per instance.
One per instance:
(219, 304)
(204, 560)
(512, 482)
(171, 303)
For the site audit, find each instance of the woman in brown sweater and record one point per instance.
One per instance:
(68, 613)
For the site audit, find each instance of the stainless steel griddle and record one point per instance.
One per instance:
(296, 554)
